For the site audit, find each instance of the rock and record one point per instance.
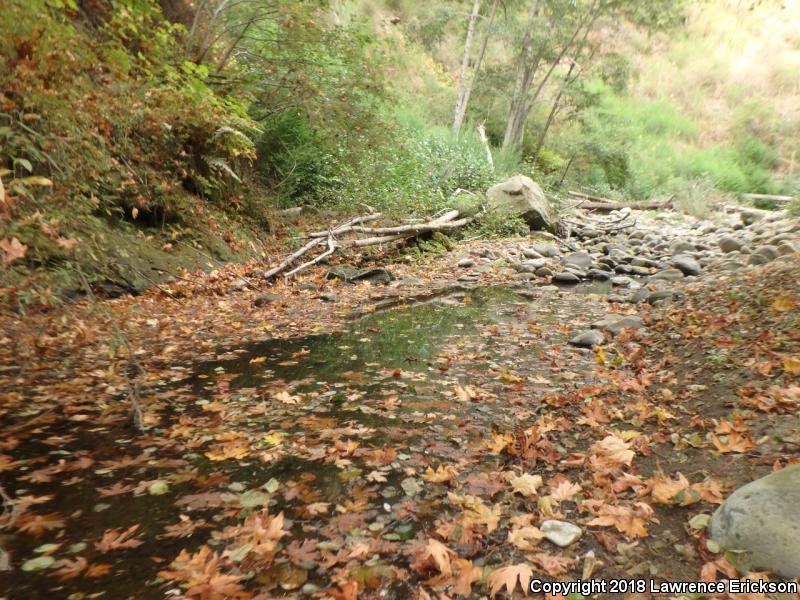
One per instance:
(465, 263)
(641, 261)
(638, 270)
(577, 271)
(328, 297)
(588, 339)
(661, 295)
(312, 287)
(731, 265)
(535, 263)
(729, 244)
(566, 277)
(619, 298)
(621, 281)
(343, 272)
(757, 259)
(561, 533)
(581, 260)
(686, 264)
(543, 272)
(786, 248)
(531, 253)
(547, 250)
(749, 217)
(522, 197)
(351, 274)
(410, 282)
(599, 274)
(770, 252)
(762, 519)
(681, 246)
(666, 275)
(615, 323)
(265, 299)
(239, 284)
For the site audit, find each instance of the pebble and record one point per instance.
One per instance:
(565, 277)
(265, 299)
(561, 533)
(588, 339)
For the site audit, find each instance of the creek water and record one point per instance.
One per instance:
(318, 419)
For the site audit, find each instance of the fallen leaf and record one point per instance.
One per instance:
(509, 577)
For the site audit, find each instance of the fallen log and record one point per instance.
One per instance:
(636, 205)
(771, 197)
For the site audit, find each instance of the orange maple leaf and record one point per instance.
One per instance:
(114, 539)
(38, 524)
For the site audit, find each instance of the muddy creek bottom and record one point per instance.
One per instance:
(358, 439)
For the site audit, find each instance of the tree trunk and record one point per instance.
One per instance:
(464, 95)
(551, 116)
(461, 108)
(522, 104)
(526, 68)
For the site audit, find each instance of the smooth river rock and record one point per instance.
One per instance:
(588, 339)
(762, 519)
(561, 533)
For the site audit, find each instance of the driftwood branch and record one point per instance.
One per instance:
(354, 228)
(589, 202)
(771, 197)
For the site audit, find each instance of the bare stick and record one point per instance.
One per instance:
(331, 248)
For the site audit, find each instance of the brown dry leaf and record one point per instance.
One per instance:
(733, 442)
(791, 365)
(525, 484)
(236, 450)
(508, 577)
(113, 539)
(555, 566)
(466, 393)
(442, 474)
(12, 249)
(525, 538)
(38, 524)
(612, 452)
(98, 570)
(70, 569)
(199, 574)
(475, 511)
(564, 490)
(785, 302)
(466, 574)
(629, 520)
(433, 553)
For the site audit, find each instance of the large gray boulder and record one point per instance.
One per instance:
(762, 519)
(522, 197)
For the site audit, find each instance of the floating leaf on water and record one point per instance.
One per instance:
(39, 563)
(272, 485)
(253, 498)
(158, 488)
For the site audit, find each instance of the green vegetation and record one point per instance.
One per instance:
(137, 137)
